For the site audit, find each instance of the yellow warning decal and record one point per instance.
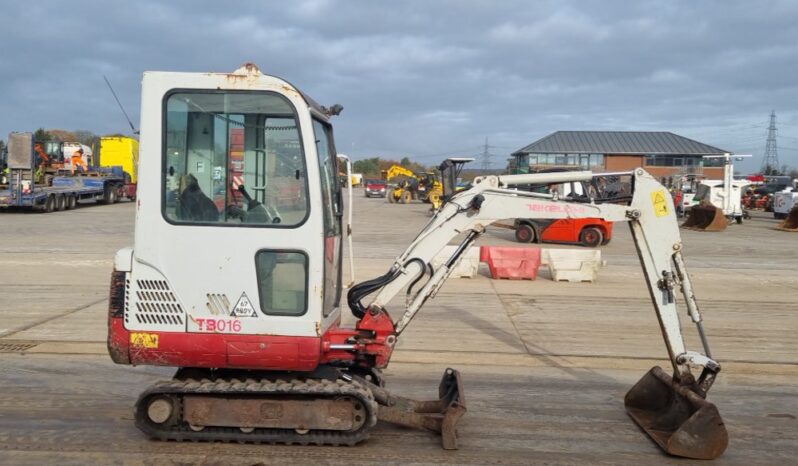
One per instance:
(144, 340)
(660, 202)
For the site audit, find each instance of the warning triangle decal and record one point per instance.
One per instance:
(243, 307)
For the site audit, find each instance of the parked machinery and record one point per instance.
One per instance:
(38, 177)
(245, 299)
(589, 232)
(719, 201)
(450, 170)
(790, 222)
(785, 200)
(424, 187)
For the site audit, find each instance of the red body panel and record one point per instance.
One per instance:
(212, 350)
(371, 346)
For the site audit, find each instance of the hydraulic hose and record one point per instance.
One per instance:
(356, 294)
(361, 290)
(424, 269)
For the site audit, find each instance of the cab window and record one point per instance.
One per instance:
(233, 158)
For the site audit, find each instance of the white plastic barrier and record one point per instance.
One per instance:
(573, 265)
(468, 266)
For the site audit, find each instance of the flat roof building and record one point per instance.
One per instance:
(661, 153)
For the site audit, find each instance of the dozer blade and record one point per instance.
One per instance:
(679, 420)
(791, 222)
(439, 415)
(706, 217)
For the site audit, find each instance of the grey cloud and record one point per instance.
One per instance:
(427, 77)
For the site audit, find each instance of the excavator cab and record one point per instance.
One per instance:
(450, 172)
(235, 274)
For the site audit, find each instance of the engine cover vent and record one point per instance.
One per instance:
(151, 305)
(218, 304)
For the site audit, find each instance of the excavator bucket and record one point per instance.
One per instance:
(439, 415)
(791, 222)
(706, 217)
(679, 420)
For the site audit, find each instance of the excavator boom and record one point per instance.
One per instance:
(398, 170)
(672, 410)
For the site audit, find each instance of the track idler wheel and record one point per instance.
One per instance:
(679, 420)
(705, 217)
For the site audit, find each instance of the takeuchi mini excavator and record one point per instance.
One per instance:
(237, 284)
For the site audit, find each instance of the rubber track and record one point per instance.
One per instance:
(311, 388)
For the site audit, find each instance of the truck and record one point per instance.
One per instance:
(37, 178)
(122, 152)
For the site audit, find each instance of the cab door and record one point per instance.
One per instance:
(332, 209)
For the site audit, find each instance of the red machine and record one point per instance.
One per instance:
(590, 232)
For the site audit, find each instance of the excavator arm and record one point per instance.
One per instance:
(672, 410)
(398, 170)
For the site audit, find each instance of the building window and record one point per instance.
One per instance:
(676, 161)
(575, 160)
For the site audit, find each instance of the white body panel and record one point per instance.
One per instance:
(784, 201)
(208, 266)
(727, 199)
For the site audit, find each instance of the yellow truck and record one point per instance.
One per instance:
(122, 152)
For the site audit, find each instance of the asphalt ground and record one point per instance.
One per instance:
(545, 364)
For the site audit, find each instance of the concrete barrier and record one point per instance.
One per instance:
(573, 265)
(468, 266)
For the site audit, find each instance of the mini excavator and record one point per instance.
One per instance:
(235, 278)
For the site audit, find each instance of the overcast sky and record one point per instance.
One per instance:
(427, 79)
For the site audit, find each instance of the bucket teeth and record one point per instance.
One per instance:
(680, 421)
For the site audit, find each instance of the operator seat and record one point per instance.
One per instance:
(194, 204)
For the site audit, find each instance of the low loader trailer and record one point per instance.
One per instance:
(28, 187)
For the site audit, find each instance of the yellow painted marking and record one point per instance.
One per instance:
(660, 203)
(144, 340)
